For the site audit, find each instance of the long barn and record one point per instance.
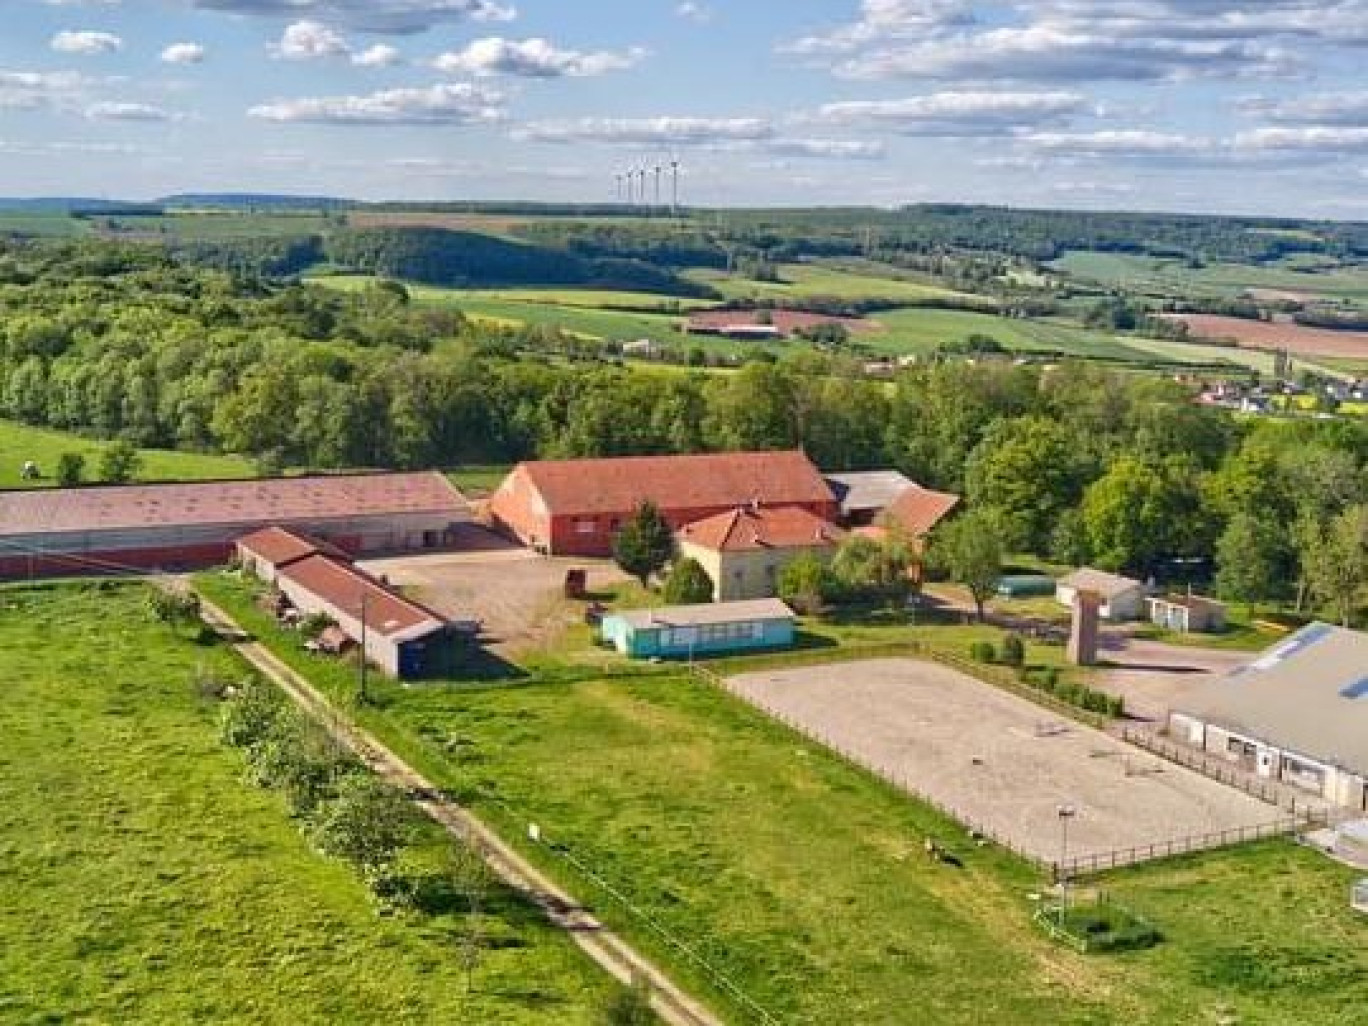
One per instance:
(575, 507)
(169, 527)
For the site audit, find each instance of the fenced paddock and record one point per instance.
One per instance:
(1003, 766)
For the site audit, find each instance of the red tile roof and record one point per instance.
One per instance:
(749, 529)
(278, 546)
(693, 481)
(342, 585)
(917, 510)
(45, 511)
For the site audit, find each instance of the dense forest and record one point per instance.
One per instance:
(1076, 462)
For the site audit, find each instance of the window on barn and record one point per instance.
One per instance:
(586, 526)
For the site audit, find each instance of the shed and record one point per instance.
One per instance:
(1123, 598)
(677, 632)
(1187, 613)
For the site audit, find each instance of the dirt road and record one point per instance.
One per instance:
(605, 947)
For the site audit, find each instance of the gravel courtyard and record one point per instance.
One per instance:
(999, 760)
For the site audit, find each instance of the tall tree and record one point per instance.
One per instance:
(645, 545)
(1337, 565)
(1251, 559)
(969, 551)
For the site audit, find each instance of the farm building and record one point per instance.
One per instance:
(745, 550)
(886, 497)
(266, 552)
(1122, 598)
(575, 507)
(1298, 713)
(403, 638)
(676, 632)
(185, 526)
(1187, 613)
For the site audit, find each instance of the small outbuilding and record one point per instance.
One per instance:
(1122, 597)
(682, 632)
(265, 553)
(1187, 614)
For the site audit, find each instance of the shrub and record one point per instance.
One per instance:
(252, 714)
(366, 824)
(983, 652)
(1013, 650)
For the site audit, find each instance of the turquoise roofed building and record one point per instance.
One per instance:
(684, 632)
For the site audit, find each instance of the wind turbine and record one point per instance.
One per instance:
(658, 170)
(674, 186)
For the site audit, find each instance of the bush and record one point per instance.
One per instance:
(1013, 651)
(366, 824)
(983, 652)
(252, 715)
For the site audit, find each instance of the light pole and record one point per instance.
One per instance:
(1065, 813)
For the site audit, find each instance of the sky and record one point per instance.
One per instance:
(1194, 105)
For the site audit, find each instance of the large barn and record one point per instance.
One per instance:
(168, 527)
(1298, 713)
(575, 507)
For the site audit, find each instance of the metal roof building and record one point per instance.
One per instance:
(1298, 713)
(182, 526)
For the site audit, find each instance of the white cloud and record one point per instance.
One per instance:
(957, 113)
(677, 131)
(698, 13)
(456, 104)
(381, 55)
(532, 58)
(1120, 142)
(885, 22)
(110, 110)
(183, 53)
(827, 149)
(31, 90)
(400, 17)
(83, 3)
(1348, 108)
(309, 40)
(86, 43)
(1324, 139)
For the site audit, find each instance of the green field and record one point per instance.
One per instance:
(143, 881)
(802, 880)
(212, 226)
(1164, 276)
(806, 281)
(46, 225)
(916, 330)
(19, 442)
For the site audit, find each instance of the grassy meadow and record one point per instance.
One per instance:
(1167, 276)
(20, 442)
(143, 880)
(806, 281)
(801, 878)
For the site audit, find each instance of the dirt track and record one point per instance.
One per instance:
(997, 760)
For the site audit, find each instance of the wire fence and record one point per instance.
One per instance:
(1195, 759)
(1091, 863)
(1100, 862)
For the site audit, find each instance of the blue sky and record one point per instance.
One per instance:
(1202, 105)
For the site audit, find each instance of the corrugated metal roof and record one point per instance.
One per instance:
(1301, 695)
(688, 481)
(278, 546)
(59, 510)
(1109, 586)
(863, 491)
(703, 615)
(343, 586)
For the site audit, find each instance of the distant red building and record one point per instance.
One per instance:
(575, 507)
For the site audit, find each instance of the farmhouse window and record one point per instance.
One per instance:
(586, 526)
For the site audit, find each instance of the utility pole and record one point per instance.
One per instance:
(1065, 813)
(361, 697)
